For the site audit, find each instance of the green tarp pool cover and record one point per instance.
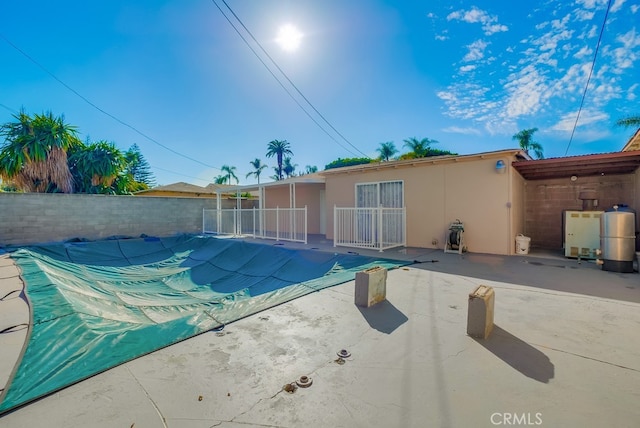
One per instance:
(95, 305)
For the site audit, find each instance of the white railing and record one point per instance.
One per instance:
(377, 228)
(281, 224)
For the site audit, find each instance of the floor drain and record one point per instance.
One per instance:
(343, 353)
(304, 382)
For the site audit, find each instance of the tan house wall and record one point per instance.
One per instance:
(307, 194)
(439, 192)
(518, 187)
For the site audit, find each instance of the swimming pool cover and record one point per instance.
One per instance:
(95, 305)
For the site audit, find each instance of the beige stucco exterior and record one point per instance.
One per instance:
(437, 191)
(298, 195)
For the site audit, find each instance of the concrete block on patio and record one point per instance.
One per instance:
(371, 286)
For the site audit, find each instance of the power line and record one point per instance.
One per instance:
(151, 166)
(8, 108)
(289, 80)
(286, 77)
(593, 64)
(100, 109)
(178, 173)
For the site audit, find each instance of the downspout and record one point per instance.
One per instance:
(261, 206)
(292, 215)
(218, 211)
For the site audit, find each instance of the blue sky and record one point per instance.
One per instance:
(467, 74)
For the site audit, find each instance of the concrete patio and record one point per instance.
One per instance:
(565, 352)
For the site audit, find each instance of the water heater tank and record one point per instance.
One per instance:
(618, 239)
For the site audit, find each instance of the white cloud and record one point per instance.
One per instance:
(464, 100)
(625, 56)
(584, 15)
(617, 5)
(631, 95)
(463, 131)
(489, 23)
(587, 117)
(546, 72)
(526, 92)
(585, 51)
(476, 51)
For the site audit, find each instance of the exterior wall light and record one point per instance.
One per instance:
(501, 167)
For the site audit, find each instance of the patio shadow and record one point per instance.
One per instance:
(383, 316)
(519, 354)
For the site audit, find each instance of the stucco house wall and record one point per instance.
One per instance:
(518, 189)
(438, 191)
(306, 194)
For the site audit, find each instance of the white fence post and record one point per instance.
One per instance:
(236, 222)
(305, 224)
(380, 229)
(254, 222)
(277, 223)
(335, 225)
(218, 219)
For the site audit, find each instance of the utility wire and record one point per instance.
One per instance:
(101, 110)
(178, 173)
(152, 166)
(593, 64)
(8, 108)
(286, 77)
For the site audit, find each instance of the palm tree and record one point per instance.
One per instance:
(629, 121)
(387, 150)
(258, 167)
(229, 173)
(525, 138)
(288, 168)
(275, 176)
(34, 155)
(279, 148)
(309, 169)
(419, 148)
(96, 166)
(220, 179)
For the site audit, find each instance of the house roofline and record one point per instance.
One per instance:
(427, 160)
(314, 178)
(633, 143)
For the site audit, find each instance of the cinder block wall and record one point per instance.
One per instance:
(546, 200)
(28, 218)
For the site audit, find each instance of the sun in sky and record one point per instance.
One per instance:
(289, 38)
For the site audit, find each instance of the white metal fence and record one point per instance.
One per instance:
(281, 224)
(379, 228)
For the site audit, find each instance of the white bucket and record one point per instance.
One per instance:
(522, 244)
